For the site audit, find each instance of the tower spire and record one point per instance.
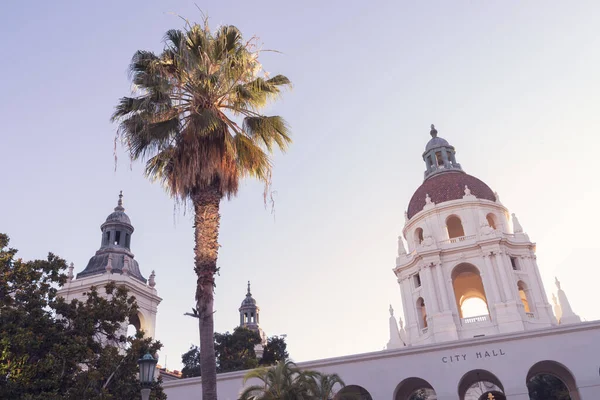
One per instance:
(119, 206)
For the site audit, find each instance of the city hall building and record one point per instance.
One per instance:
(477, 321)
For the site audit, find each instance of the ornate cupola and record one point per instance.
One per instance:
(470, 270)
(249, 311)
(439, 155)
(115, 254)
(114, 262)
(249, 315)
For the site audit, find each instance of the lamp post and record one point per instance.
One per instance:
(147, 366)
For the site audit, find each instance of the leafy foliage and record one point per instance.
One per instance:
(285, 381)
(547, 387)
(52, 349)
(235, 352)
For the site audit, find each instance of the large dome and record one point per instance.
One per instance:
(448, 186)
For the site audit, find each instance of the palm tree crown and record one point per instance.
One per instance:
(184, 120)
(285, 381)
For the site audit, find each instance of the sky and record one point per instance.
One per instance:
(513, 85)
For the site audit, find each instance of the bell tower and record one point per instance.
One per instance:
(114, 262)
(470, 269)
(249, 315)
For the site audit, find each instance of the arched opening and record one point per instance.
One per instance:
(491, 219)
(550, 380)
(422, 314)
(455, 227)
(469, 294)
(353, 392)
(415, 389)
(524, 295)
(418, 236)
(472, 307)
(479, 384)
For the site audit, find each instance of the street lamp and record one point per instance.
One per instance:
(147, 366)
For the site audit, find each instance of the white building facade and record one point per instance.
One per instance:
(477, 321)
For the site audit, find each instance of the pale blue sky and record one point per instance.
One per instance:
(513, 85)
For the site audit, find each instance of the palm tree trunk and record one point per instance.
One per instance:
(206, 226)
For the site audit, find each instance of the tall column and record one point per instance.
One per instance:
(442, 285)
(503, 277)
(510, 274)
(533, 282)
(445, 158)
(431, 295)
(492, 278)
(410, 311)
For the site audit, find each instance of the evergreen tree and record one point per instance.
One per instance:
(52, 349)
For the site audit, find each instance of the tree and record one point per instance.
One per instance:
(197, 124)
(52, 349)
(285, 381)
(235, 352)
(547, 387)
(274, 351)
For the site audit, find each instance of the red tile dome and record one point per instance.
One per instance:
(448, 186)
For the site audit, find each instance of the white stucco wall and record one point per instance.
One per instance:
(577, 347)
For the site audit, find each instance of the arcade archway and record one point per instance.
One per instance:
(415, 389)
(550, 380)
(479, 384)
(353, 392)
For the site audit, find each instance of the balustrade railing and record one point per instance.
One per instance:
(476, 319)
(458, 239)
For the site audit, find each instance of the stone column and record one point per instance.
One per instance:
(452, 158)
(510, 274)
(492, 278)
(503, 277)
(532, 281)
(445, 158)
(410, 312)
(442, 284)
(431, 302)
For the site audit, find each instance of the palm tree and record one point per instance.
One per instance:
(324, 386)
(283, 381)
(195, 119)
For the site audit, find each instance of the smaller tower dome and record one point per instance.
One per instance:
(249, 311)
(118, 215)
(439, 155)
(114, 254)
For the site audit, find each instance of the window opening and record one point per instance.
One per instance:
(417, 280)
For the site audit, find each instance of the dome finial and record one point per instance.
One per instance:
(433, 131)
(249, 288)
(119, 206)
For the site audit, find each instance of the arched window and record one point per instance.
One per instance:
(472, 307)
(455, 227)
(470, 294)
(421, 313)
(523, 294)
(418, 236)
(491, 219)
